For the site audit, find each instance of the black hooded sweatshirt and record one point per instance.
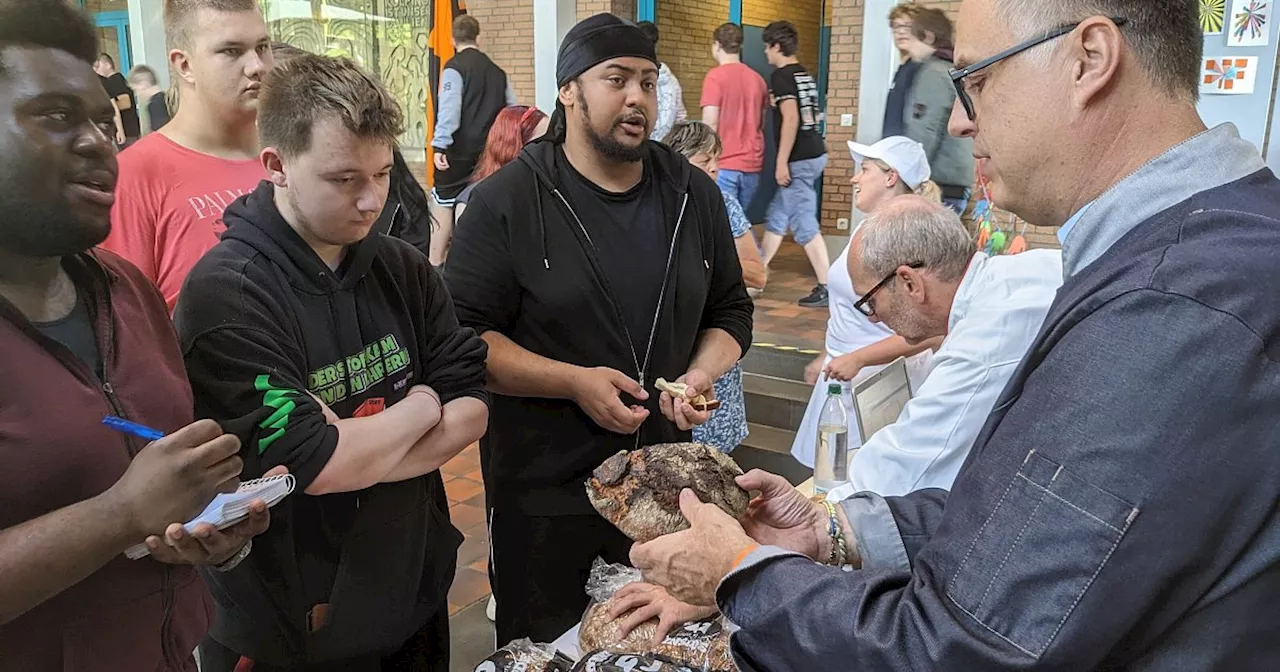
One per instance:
(263, 322)
(522, 264)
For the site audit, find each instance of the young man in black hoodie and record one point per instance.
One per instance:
(593, 265)
(333, 349)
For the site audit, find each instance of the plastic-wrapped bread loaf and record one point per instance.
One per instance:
(611, 661)
(523, 655)
(702, 645)
(639, 491)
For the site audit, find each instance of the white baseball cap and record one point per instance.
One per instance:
(904, 155)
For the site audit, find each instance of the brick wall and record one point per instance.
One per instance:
(684, 44)
(624, 8)
(506, 35)
(843, 91)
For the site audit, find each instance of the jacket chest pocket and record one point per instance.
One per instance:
(1049, 536)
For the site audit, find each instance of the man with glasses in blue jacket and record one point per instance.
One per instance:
(1118, 509)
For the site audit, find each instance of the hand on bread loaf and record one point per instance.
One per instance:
(691, 564)
(649, 601)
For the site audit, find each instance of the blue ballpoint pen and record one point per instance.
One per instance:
(140, 431)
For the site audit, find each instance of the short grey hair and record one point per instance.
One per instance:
(1165, 35)
(911, 230)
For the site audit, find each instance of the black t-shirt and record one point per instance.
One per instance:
(895, 108)
(75, 331)
(631, 239)
(116, 86)
(793, 82)
(158, 111)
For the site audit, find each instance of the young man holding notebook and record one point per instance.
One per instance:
(84, 336)
(333, 349)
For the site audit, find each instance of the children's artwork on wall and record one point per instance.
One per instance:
(1229, 75)
(1250, 23)
(1212, 16)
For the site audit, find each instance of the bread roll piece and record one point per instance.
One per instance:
(702, 645)
(699, 402)
(639, 491)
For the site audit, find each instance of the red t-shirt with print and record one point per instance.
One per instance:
(169, 203)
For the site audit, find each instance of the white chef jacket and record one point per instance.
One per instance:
(997, 312)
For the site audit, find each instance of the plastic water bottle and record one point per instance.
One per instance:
(831, 464)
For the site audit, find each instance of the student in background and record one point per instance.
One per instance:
(152, 109)
(670, 94)
(802, 156)
(923, 96)
(515, 127)
(175, 184)
(701, 146)
(121, 96)
(734, 98)
(473, 89)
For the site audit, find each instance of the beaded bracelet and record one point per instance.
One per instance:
(839, 552)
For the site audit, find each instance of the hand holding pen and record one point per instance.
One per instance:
(171, 480)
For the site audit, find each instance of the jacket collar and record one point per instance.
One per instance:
(1209, 160)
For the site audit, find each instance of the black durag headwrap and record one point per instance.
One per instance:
(590, 43)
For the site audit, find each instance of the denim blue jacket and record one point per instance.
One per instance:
(1119, 508)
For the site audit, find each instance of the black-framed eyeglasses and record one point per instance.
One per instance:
(864, 304)
(958, 76)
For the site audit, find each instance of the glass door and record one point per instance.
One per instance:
(113, 37)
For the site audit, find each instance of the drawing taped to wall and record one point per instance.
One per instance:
(1250, 23)
(1229, 75)
(1212, 16)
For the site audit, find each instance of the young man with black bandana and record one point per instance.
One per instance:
(333, 349)
(594, 264)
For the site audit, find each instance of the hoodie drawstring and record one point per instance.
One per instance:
(542, 229)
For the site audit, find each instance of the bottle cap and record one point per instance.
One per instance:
(834, 389)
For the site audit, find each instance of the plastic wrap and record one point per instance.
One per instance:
(523, 655)
(702, 645)
(612, 661)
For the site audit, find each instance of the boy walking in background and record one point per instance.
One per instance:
(733, 101)
(802, 156)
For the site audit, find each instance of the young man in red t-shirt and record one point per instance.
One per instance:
(175, 183)
(734, 98)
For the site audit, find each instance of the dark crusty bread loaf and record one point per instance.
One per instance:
(702, 645)
(639, 491)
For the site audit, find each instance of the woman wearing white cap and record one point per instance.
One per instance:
(856, 347)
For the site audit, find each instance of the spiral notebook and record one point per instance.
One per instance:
(229, 509)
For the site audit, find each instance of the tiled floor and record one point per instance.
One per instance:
(463, 484)
(779, 320)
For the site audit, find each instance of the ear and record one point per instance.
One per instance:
(180, 64)
(1098, 51)
(274, 165)
(912, 283)
(569, 94)
(893, 178)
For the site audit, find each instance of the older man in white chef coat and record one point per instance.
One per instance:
(915, 267)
